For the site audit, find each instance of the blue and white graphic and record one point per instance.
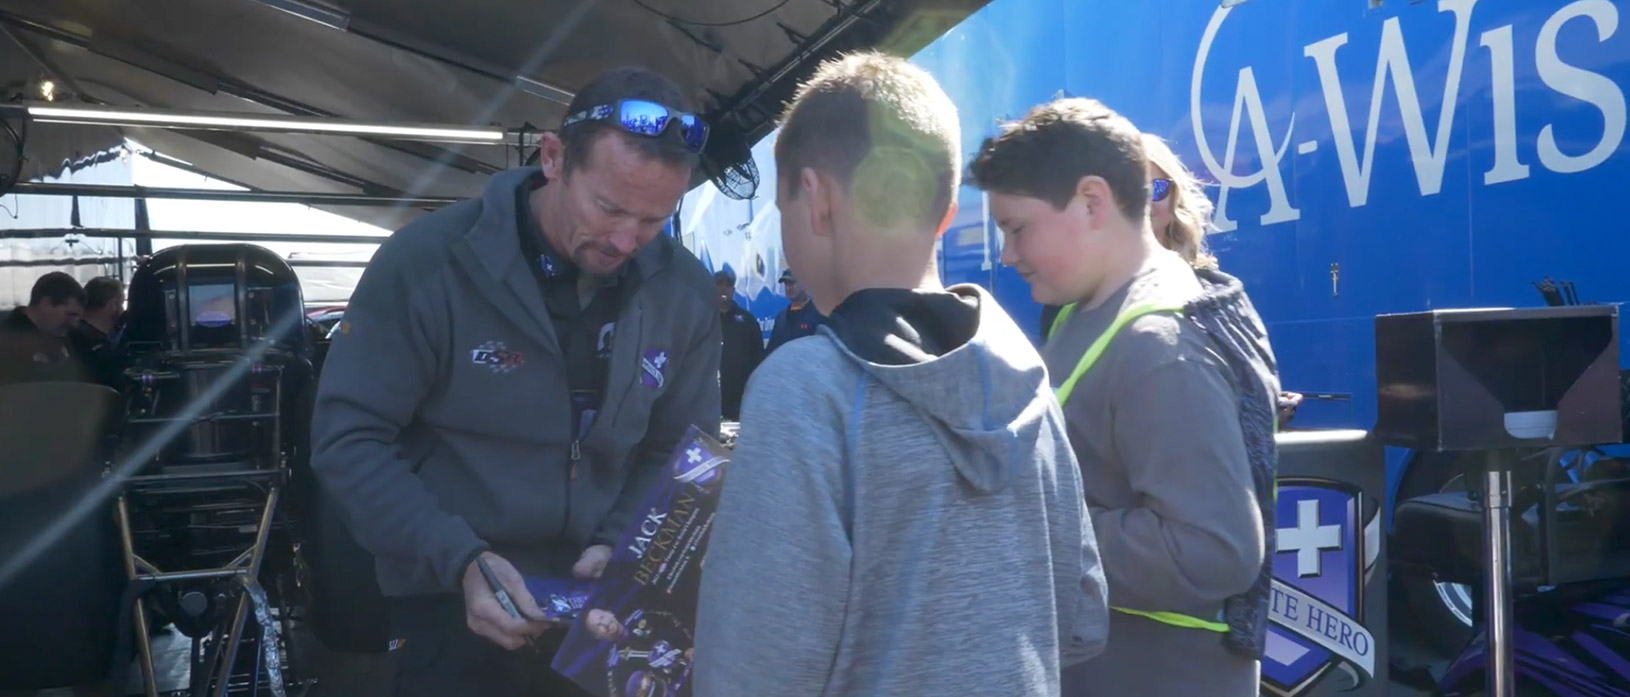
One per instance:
(654, 368)
(699, 467)
(1327, 547)
(551, 268)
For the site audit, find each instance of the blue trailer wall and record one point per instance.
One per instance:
(1427, 154)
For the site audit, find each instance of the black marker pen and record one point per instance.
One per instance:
(499, 592)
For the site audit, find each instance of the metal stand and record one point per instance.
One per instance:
(213, 676)
(246, 565)
(1497, 559)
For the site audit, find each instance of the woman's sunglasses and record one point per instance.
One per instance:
(645, 118)
(1161, 188)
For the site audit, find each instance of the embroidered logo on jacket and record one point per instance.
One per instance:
(654, 368)
(550, 267)
(497, 357)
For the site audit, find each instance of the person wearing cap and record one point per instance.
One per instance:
(510, 376)
(799, 319)
(743, 345)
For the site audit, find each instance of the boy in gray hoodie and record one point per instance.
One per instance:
(1168, 384)
(903, 515)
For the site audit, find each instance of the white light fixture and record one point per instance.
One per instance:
(106, 116)
(543, 89)
(316, 12)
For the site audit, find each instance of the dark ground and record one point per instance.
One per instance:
(368, 675)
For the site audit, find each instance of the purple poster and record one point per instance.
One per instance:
(633, 635)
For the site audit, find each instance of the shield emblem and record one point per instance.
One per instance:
(1328, 537)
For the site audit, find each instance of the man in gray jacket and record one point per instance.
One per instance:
(509, 377)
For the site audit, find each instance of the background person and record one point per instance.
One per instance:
(1180, 214)
(743, 345)
(799, 319)
(33, 338)
(92, 337)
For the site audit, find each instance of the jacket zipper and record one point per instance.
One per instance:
(571, 476)
(637, 311)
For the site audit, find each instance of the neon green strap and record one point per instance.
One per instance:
(1094, 352)
(1176, 620)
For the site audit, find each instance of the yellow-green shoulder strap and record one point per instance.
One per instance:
(1096, 350)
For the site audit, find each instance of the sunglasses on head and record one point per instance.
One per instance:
(1161, 188)
(645, 118)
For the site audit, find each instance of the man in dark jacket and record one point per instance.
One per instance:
(799, 319)
(92, 337)
(511, 373)
(743, 345)
(33, 347)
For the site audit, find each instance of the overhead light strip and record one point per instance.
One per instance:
(316, 12)
(539, 88)
(216, 121)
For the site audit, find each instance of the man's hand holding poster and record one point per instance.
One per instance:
(632, 634)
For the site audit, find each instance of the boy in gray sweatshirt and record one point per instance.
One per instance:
(1168, 384)
(903, 515)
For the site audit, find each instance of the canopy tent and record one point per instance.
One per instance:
(78, 235)
(472, 62)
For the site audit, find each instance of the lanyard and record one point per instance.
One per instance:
(1096, 350)
(1093, 353)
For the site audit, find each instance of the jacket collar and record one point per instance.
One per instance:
(497, 243)
(17, 320)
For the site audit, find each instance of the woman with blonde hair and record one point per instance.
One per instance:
(1180, 214)
(1179, 211)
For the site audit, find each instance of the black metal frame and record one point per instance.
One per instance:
(264, 472)
(246, 566)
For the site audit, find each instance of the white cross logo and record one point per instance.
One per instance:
(1308, 539)
(661, 359)
(694, 455)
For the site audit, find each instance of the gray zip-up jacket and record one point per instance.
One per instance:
(443, 421)
(913, 524)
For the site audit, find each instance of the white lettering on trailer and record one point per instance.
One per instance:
(1428, 154)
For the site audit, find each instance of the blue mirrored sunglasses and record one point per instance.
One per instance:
(644, 118)
(1161, 188)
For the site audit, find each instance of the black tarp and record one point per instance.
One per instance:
(452, 62)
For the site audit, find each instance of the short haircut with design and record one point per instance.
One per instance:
(881, 127)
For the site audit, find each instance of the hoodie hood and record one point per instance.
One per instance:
(960, 361)
(1224, 311)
